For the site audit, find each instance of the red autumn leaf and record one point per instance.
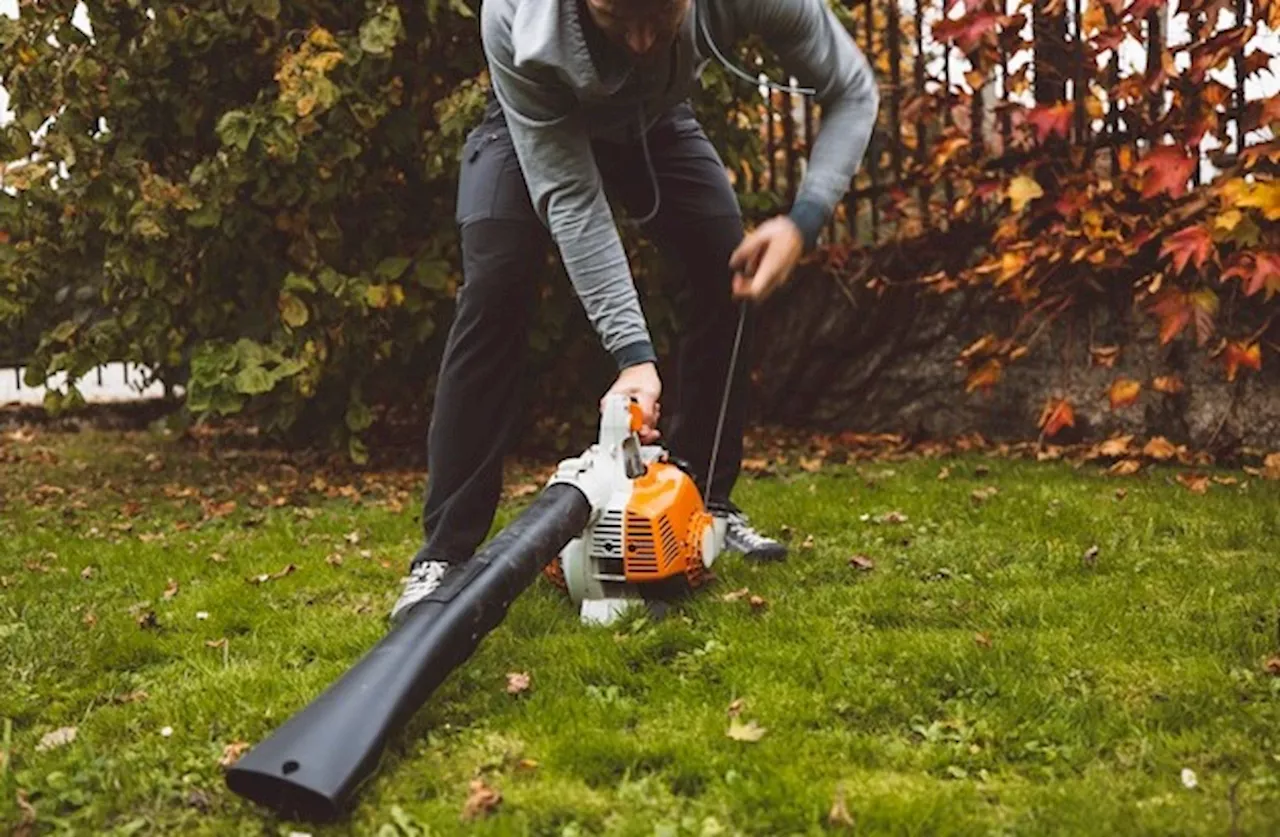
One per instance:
(1139, 8)
(1237, 356)
(1190, 245)
(1165, 169)
(1057, 414)
(1216, 51)
(969, 30)
(1256, 271)
(1176, 308)
(1123, 392)
(1051, 119)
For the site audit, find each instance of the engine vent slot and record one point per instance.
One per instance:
(641, 557)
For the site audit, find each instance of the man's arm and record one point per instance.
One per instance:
(568, 196)
(814, 46)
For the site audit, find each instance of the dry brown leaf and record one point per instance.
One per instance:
(1125, 468)
(811, 464)
(265, 577)
(1195, 483)
(131, 697)
(1104, 356)
(170, 590)
(28, 814)
(981, 495)
(58, 738)
(87, 573)
(1271, 467)
(982, 639)
(892, 517)
(1121, 493)
(1226, 480)
(232, 753)
(1123, 392)
(1116, 446)
(758, 603)
(839, 816)
(750, 732)
(735, 708)
(862, 562)
(216, 643)
(147, 620)
(945, 472)
(481, 801)
(1160, 449)
(1272, 666)
(1168, 384)
(217, 558)
(525, 490)
(334, 560)
(517, 682)
(527, 764)
(90, 619)
(735, 595)
(808, 542)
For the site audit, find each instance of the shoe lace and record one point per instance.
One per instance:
(425, 574)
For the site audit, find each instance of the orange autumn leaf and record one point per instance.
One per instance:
(1168, 384)
(1192, 245)
(1057, 414)
(1159, 448)
(1175, 309)
(1238, 356)
(985, 377)
(1123, 392)
(1195, 483)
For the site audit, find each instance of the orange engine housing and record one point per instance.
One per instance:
(663, 526)
(661, 530)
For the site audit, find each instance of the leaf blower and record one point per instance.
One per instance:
(620, 524)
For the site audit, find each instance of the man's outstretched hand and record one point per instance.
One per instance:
(765, 258)
(641, 382)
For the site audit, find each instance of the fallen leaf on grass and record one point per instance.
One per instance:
(758, 603)
(1195, 483)
(232, 753)
(1160, 449)
(981, 495)
(58, 738)
(1091, 555)
(1121, 493)
(90, 619)
(217, 558)
(892, 517)
(735, 595)
(527, 764)
(1125, 468)
(750, 732)
(1189, 778)
(334, 560)
(862, 562)
(982, 639)
(808, 542)
(517, 682)
(839, 816)
(147, 620)
(170, 590)
(1271, 467)
(481, 801)
(216, 643)
(352, 538)
(213, 510)
(735, 708)
(1226, 481)
(131, 697)
(945, 472)
(87, 573)
(1272, 666)
(524, 490)
(265, 577)
(28, 815)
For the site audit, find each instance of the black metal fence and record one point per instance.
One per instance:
(930, 92)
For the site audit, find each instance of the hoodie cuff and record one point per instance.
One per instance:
(810, 217)
(634, 354)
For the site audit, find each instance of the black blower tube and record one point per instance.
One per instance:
(311, 767)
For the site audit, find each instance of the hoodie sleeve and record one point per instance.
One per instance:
(814, 46)
(568, 194)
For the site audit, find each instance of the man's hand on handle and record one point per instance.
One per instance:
(765, 258)
(641, 382)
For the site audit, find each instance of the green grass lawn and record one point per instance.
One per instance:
(983, 677)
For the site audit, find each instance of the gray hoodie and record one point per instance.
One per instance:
(556, 100)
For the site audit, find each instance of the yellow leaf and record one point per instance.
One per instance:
(1228, 220)
(1011, 264)
(1022, 191)
(293, 310)
(750, 731)
(1264, 196)
(1123, 392)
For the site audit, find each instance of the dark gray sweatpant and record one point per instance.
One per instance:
(477, 405)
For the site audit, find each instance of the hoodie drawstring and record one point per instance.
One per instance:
(728, 65)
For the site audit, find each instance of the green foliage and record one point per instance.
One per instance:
(255, 200)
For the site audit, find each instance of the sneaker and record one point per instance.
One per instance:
(422, 581)
(741, 536)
